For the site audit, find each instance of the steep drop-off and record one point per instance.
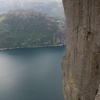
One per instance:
(81, 64)
(30, 28)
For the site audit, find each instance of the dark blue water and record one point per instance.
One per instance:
(31, 74)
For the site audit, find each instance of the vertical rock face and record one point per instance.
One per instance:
(98, 95)
(81, 64)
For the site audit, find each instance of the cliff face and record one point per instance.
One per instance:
(81, 64)
(98, 94)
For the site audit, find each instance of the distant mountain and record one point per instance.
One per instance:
(29, 28)
(51, 7)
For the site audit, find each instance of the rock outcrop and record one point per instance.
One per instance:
(81, 64)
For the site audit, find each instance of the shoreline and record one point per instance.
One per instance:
(1, 49)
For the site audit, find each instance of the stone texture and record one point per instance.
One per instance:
(98, 95)
(81, 63)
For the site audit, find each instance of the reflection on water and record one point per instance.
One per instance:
(31, 74)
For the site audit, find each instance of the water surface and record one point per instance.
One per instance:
(31, 74)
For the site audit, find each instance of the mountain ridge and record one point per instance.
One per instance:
(49, 7)
(30, 28)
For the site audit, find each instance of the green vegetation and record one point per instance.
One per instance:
(29, 28)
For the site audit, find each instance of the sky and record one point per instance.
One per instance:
(31, 0)
(12, 1)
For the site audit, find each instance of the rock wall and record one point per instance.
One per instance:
(81, 63)
(98, 94)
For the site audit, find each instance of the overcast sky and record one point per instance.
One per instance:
(31, 0)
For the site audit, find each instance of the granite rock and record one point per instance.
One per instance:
(81, 63)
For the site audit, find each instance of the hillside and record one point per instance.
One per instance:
(50, 7)
(29, 28)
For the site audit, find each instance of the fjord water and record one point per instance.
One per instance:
(31, 74)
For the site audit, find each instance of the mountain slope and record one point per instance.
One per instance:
(53, 8)
(29, 28)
